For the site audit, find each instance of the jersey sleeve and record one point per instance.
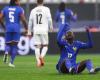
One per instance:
(60, 39)
(82, 45)
(3, 11)
(72, 16)
(21, 11)
(48, 13)
(49, 17)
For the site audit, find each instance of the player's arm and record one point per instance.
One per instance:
(89, 44)
(60, 34)
(23, 19)
(57, 16)
(90, 40)
(1, 20)
(73, 16)
(50, 23)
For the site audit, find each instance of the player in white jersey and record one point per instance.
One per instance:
(40, 22)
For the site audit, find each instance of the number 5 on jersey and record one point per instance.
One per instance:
(11, 16)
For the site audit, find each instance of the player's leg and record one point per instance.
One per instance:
(90, 68)
(81, 66)
(37, 44)
(14, 48)
(8, 39)
(86, 64)
(7, 51)
(13, 53)
(62, 67)
(66, 67)
(44, 50)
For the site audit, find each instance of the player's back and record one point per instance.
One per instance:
(64, 17)
(40, 15)
(12, 17)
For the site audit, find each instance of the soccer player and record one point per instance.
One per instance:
(64, 15)
(40, 22)
(12, 15)
(69, 50)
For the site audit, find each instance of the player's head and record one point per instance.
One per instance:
(62, 7)
(39, 2)
(69, 36)
(14, 2)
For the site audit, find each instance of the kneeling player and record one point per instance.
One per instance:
(69, 49)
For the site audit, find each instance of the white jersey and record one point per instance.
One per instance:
(39, 20)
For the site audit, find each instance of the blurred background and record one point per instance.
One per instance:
(88, 12)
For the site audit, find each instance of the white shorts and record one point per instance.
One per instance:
(41, 39)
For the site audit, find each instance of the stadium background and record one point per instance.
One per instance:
(88, 15)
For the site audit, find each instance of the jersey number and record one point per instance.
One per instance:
(38, 18)
(62, 19)
(69, 55)
(11, 16)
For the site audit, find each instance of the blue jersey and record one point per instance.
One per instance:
(69, 51)
(65, 17)
(12, 18)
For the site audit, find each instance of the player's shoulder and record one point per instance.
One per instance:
(45, 8)
(33, 10)
(6, 7)
(68, 10)
(79, 42)
(19, 7)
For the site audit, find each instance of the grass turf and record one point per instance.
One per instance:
(26, 69)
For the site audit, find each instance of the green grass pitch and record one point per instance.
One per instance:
(26, 69)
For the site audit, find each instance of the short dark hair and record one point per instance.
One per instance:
(12, 3)
(39, 1)
(62, 7)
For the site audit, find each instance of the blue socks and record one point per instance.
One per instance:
(89, 65)
(13, 53)
(8, 48)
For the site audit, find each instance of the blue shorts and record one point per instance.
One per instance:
(12, 36)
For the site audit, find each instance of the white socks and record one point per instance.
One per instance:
(44, 51)
(6, 52)
(42, 54)
(37, 54)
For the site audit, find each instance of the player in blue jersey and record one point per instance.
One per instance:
(12, 15)
(64, 15)
(69, 50)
